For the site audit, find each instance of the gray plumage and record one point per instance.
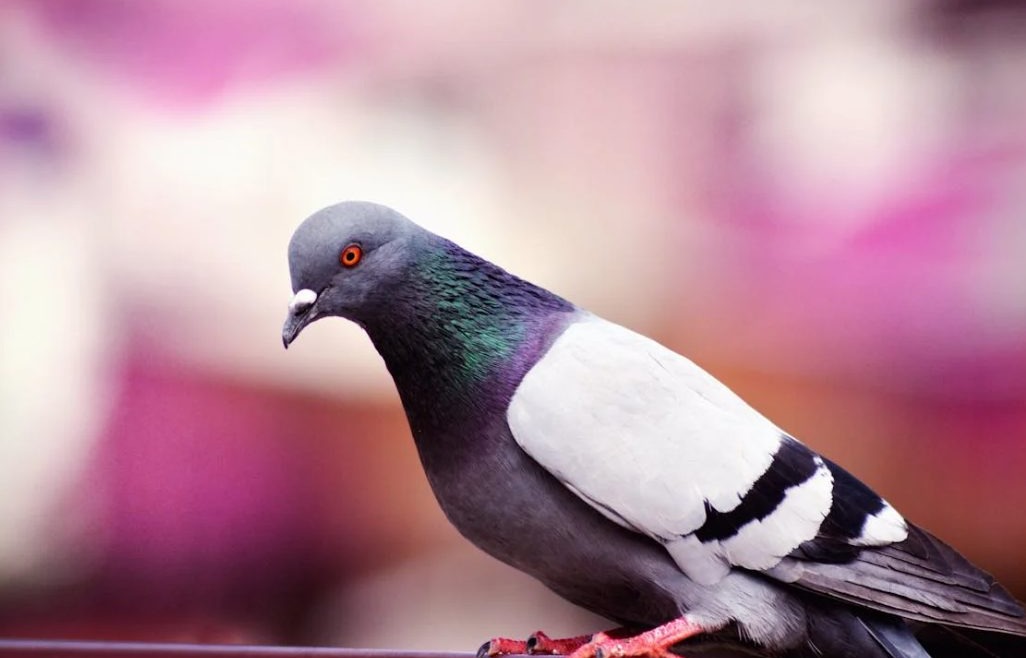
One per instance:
(623, 476)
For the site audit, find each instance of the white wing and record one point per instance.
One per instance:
(658, 445)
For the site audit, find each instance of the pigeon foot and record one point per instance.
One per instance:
(540, 643)
(502, 646)
(655, 642)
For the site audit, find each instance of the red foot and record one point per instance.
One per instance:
(656, 642)
(541, 644)
(501, 646)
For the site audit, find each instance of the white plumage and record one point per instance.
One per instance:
(652, 441)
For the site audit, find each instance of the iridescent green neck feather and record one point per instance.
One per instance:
(461, 332)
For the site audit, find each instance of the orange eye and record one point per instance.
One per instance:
(351, 255)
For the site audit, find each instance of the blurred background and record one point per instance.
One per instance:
(823, 203)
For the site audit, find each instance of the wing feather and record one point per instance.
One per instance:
(919, 578)
(659, 446)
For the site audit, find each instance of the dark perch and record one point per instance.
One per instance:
(98, 649)
(94, 649)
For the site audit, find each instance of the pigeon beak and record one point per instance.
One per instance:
(299, 315)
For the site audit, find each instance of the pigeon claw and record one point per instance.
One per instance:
(501, 646)
(656, 642)
(538, 644)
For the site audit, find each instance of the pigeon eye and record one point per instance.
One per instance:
(351, 255)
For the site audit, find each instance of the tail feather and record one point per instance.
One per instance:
(949, 642)
(845, 632)
(894, 636)
(899, 640)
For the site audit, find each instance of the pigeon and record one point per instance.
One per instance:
(626, 478)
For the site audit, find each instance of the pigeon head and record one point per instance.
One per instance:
(344, 261)
(446, 322)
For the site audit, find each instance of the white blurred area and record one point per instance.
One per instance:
(810, 198)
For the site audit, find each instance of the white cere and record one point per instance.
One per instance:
(302, 300)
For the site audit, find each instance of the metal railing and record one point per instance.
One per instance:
(94, 649)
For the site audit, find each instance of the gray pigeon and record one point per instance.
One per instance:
(626, 478)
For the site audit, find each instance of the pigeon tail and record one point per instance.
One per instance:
(894, 637)
(949, 642)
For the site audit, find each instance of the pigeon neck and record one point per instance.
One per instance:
(460, 336)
